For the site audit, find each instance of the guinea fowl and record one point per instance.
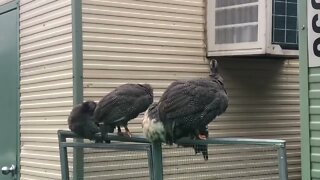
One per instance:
(81, 121)
(121, 105)
(185, 108)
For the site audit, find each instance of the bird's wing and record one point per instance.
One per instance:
(104, 107)
(130, 90)
(184, 98)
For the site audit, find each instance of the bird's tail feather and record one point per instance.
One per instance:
(153, 129)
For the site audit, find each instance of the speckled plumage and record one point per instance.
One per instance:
(123, 104)
(187, 106)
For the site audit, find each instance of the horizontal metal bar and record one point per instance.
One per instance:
(240, 141)
(129, 147)
(111, 136)
(142, 139)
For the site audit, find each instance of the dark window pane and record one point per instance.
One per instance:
(279, 35)
(279, 22)
(284, 30)
(292, 9)
(292, 23)
(291, 36)
(280, 8)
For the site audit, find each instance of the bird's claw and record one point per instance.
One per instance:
(202, 137)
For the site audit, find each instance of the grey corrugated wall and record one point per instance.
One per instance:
(46, 84)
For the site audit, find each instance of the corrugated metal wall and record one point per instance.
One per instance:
(46, 84)
(2, 2)
(160, 41)
(314, 114)
(263, 108)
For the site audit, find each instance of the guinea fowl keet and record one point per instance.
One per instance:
(81, 120)
(186, 108)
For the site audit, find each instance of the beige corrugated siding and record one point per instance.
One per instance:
(46, 84)
(150, 41)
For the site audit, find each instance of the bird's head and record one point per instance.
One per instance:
(213, 66)
(89, 106)
(214, 73)
(148, 88)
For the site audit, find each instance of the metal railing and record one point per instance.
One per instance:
(154, 150)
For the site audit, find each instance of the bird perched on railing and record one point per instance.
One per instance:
(81, 120)
(121, 105)
(185, 108)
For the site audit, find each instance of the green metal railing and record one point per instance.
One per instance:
(154, 150)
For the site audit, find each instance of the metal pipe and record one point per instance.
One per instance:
(142, 139)
(282, 162)
(63, 157)
(150, 164)
(157, 161)
(246, 141)
(77, 67)
(131, 147)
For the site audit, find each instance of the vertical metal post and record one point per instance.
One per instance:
(157, 161)
(282, 162)
(150, 165)
(63, 158)
(77, 61)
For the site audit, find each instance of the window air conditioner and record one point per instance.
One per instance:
(252, 27)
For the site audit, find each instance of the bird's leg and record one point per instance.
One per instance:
(127, 131)
(104, 133)
(119, 130)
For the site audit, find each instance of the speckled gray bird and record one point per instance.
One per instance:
(121, 105)
(186, 107)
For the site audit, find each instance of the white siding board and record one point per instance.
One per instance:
(140, 31)
(158, 6)
(46, 60)
(49, 6)
(65, 11)
(46, 84)
(140, 57)
(61, 48)
(116, 38)
(151, 15)
(31, 5)
(45, 43)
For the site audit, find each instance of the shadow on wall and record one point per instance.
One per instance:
(264, 98)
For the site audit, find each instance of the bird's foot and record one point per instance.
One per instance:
(202, 137)
(125, 134)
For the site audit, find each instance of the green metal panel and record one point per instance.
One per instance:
(314, 121)
(77, 61)
(9, 91)
(310, 104)
(304, 91)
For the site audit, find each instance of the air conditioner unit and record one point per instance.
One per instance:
(252, 27)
